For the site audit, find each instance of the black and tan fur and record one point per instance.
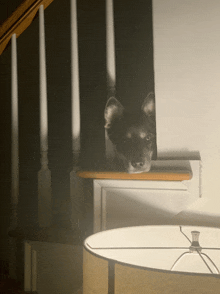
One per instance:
(133, 135)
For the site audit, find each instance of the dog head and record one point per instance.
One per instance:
(132, 134)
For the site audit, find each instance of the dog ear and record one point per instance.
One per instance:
(113, 110)
(148, 106)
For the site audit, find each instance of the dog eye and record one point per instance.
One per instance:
(148, 137)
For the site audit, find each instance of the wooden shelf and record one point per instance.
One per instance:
(20, 19)
(150, 176)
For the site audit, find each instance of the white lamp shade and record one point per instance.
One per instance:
(139, 260)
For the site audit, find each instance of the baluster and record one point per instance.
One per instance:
(44, 175)
(14, 117)
(14, 157)
(110, 48)
(76, 190)
(110, 64)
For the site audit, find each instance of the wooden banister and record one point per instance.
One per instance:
(19, 20)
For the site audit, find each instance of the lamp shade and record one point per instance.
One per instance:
(152, 260)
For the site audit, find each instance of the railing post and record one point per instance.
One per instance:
(14, 135)
(76, 190)
(44, 175)
(110, 48)
(14, 156)
(110, 64)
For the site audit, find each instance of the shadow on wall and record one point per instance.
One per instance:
(180, 154)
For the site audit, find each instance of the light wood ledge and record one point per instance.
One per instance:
(19, 20)
(150, 176)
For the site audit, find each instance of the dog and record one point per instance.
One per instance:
(132, 135)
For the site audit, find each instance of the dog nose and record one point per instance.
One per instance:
(137, 164)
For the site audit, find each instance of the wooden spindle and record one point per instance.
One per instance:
(75, 183)
(44, 175)
(75, 85)
(110, 48)
(111, 71)
(14, 158)
(14, 117)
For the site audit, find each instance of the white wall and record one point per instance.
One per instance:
(187, 84)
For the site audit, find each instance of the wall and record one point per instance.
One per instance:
(187, 71)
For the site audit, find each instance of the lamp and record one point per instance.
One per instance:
(152, 260)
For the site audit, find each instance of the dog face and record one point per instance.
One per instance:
(132, 134)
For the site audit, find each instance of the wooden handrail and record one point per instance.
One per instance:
(19, 20)
(150, 176)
